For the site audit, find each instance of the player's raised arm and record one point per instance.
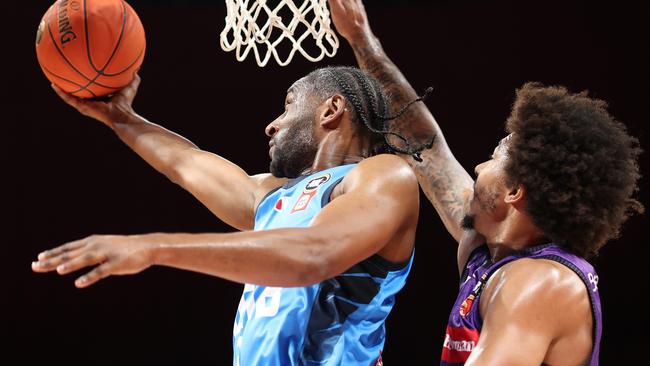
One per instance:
(442, 178)
(220, 185)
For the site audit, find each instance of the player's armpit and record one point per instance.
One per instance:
(223, 187)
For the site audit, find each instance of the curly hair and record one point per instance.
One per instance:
(577, 163)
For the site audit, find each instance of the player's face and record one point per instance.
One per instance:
(293, 143)
(487, 206)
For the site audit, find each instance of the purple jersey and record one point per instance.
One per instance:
(465, 321)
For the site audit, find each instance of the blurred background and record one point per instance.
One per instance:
(66, 176)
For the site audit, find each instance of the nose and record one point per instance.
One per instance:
(478, 168)
(271, 129)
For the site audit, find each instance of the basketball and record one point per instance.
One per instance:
(90, 48)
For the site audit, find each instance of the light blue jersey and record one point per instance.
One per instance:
(339, 321)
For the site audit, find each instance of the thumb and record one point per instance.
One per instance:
(131, 90)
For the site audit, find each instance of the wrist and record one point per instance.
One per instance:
(361, 38)
(123, 115)
(151, 247)
(155, 249)
(366, 45)
(123, 123)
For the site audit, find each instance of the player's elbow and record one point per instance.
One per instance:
(177, 170)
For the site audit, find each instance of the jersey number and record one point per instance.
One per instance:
(268, 303)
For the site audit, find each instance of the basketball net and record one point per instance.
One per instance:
(242, 33)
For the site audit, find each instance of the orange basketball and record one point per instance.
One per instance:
(90, 48)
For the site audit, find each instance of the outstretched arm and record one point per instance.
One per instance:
(220, 185)
(444, 181)
(376, 213)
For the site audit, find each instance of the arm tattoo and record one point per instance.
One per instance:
(445, 185)
(444, 181)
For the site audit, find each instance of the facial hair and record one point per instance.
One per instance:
(486, 198)
(468, 222)
(294, 151)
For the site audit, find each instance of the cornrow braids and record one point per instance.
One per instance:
(370, 105)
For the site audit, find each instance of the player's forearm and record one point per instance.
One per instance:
(371, 57)
(158, 146)
(446, 184)
(444, 181)
(281, 257)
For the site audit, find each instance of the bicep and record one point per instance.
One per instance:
(366, 218)
(222, 186)
(509, 341)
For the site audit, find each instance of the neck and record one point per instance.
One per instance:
(515, 233)
(339, 147)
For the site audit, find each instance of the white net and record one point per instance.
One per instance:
(309, 22)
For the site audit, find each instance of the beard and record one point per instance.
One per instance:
(468, 222)
(294, 152)
(483, 201)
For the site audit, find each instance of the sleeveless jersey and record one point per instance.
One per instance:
(465, 321)
(339, 321)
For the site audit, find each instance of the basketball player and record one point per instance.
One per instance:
(333, 224)
(555, 190)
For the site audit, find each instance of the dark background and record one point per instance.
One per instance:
(65, 176)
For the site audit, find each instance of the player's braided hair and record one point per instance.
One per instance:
(370, 105)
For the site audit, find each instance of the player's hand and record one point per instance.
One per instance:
(116, 110)
(112, 255)
(350, 19)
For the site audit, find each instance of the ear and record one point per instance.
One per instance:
(331, 113)
(516, 195)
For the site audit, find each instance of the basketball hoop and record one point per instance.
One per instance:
(242, 33)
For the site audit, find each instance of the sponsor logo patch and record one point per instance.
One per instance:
(466, 306)
(310, 191)
(459, 344)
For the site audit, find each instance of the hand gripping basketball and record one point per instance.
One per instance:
(114, 110)
(90, 48)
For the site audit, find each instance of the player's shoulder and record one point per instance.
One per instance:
(555, 276)
(381, 174)
(385, 167)
(267, 182)
(264, 184)
(539, 284)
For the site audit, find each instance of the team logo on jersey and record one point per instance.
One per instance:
(310, 191)
(317, 182)
(466, 306)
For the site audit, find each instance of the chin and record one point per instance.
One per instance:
(482, 226)
(275, 170)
